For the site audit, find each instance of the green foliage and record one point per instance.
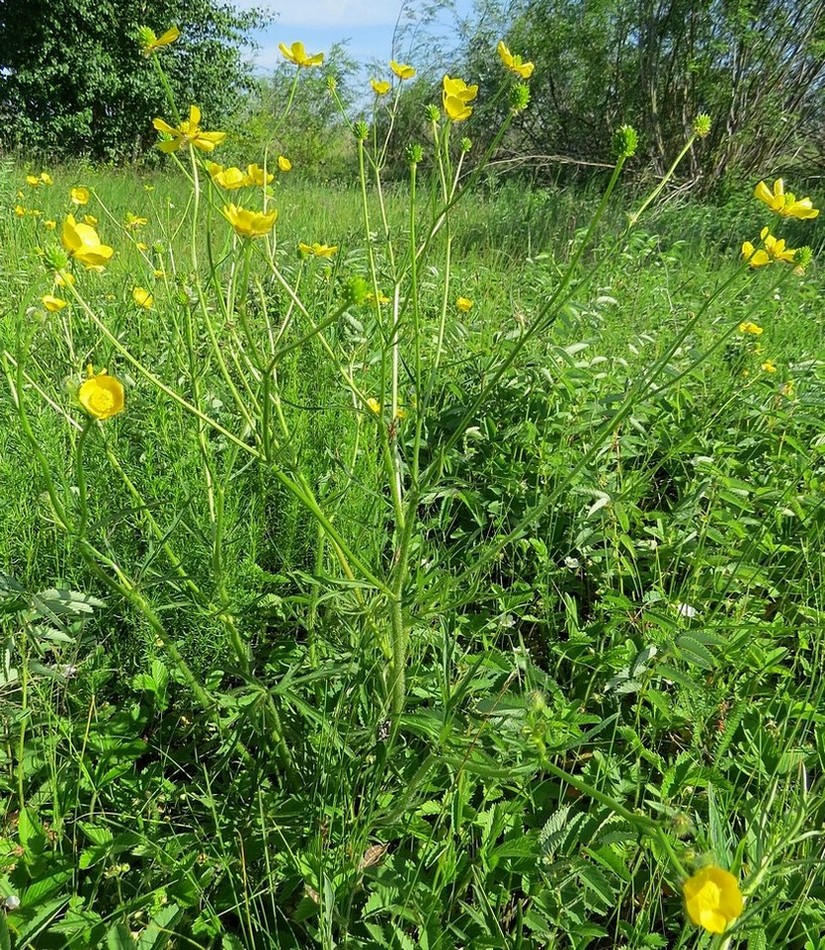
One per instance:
(608, 588)
(600, 63)
(75, 81)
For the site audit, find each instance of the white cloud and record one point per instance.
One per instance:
(340, 14)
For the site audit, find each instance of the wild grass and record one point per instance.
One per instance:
(612, 595)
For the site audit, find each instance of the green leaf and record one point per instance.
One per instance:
(119, 938)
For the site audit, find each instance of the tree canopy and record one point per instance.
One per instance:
(758, 69)
(76, 83)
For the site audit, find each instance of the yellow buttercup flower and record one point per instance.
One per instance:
(230, 178)
(374, 405)
(143, 298)
(713, 899)
(456, 96)
(64, 279)
(785, 203)
(317, 250)
(102, 395)
(90, 219)
(298, 55)
(514, 63)
(188, 132)
(380, 86)
(284, 164)
(257, 176)
(50, 225)
(249, 224)
(464, 304)
(80, 195)
(768, 367)
(33, 180)
(774, 250)
(151, 43)
(46, 178)
(20, 211)
(402, 70)
(83, 243)
(53, 304)
(133, 222)
(752, 328)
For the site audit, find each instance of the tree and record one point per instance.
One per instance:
(75, 81)
(758, 69)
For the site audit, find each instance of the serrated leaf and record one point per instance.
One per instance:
(595, 881)
(119, 938)
(158, 932)
(695, 652)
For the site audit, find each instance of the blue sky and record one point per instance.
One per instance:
(367, 24)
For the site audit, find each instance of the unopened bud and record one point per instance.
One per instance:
(431, 113)
(466, 144)
(361, 130)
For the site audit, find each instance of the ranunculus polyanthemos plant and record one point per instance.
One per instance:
(223, 318)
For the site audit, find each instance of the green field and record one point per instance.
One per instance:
(375, 619)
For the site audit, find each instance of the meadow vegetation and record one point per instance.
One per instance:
(437, 565)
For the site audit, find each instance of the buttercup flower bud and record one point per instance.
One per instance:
(431, 113)
(415, 153)
(361, 130)
(466, 144)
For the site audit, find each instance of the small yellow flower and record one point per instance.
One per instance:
(297, 54)
(752, 328)
(46, 178)
(33, 180)
(83, 243)
(50, 225)
(53, 304)
(402, 70)
(80, 195)
(102, 395)
(374, 405)
(464, 304)
(230, 178)
(133, 222)
(774, 250)
(456, 98)
(64, 279)
(143, 298)
(768, 367)
(713, 899)
(317, 250)
(90, 219)
(514, 63)
(284, 164)
(785, 203)
(380, 86)
(249, 224)
(188, 132)
(142, 246)
(151, 43)
(257, 176)
(20, 211)
(159, 274)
